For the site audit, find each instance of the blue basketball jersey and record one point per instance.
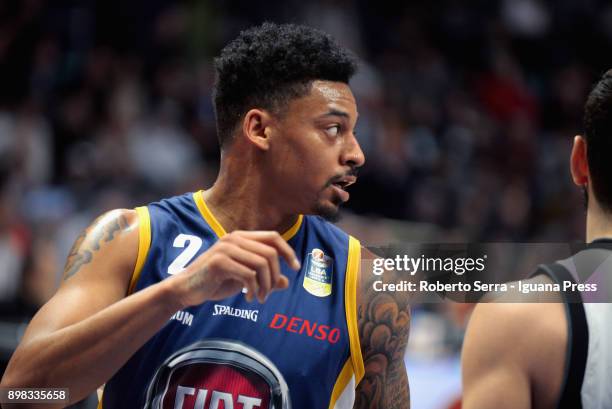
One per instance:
(300, 349)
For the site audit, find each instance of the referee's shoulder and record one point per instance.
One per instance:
(528, 335)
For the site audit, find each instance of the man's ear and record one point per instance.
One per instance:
(256, 128)
(578, 162)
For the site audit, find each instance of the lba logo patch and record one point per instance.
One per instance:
(319, 270)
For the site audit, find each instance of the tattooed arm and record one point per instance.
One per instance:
(384, 322)
(83, 334)
(89, 329)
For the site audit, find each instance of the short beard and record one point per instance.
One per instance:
(329, 213)
(332, 214)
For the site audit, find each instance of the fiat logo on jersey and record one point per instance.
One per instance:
(216, 374)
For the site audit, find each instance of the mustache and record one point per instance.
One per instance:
(352, 172)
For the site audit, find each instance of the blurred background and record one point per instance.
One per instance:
(467, 113)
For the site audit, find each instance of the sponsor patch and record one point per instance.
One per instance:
(183, 317)
(318, 277)
(306, 327)
(236, 312)
(214, 386)
(217, 374)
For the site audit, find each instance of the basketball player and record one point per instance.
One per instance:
(242, 295)
(555, 355)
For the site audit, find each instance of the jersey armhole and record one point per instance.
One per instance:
(100, 393)
(343, 394)
(144, 243)
(577, 337)
(350, 303)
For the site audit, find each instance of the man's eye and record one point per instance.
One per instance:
(333, 130)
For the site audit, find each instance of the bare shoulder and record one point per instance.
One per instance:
(515, 320)
(500, 326)
(116, 229)
(516, 349)
(97, 272)
(384, 323)
(516, 327)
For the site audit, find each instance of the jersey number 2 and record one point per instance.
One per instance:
(191, 244)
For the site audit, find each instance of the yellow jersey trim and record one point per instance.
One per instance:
(293, 229)
(343, 379)
(100, 399)
(350, 303)
(198, 198)
(144, 243)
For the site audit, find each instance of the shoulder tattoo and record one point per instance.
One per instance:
(103, 230)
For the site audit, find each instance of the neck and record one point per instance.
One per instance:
(241, 199)
(599, 222)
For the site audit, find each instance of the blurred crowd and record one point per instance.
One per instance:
(467, 113)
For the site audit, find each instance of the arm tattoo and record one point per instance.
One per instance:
(384, 322)
(82, 252)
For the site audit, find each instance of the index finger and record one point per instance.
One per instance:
(272, 238)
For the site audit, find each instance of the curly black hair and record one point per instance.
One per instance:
(598, 135)
(270, 64)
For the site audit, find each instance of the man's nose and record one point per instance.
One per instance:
(353, 155)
